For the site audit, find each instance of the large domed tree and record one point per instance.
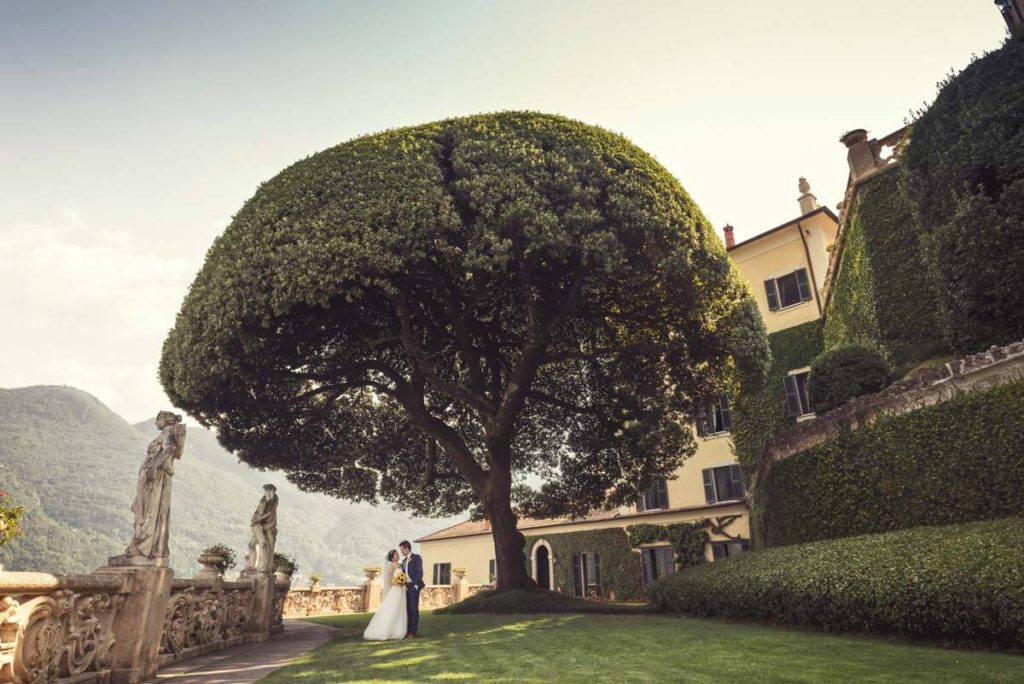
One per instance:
(427, 316)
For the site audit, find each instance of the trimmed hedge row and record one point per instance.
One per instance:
(845, 373)
(761, 415)
(957, 461)
(884, 296)
(965, 167)
(960, 582)
(621, 571)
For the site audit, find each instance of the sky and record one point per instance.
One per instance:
(131, 132)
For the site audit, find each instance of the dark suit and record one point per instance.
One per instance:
(412, 566)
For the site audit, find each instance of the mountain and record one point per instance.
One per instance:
(72, 463)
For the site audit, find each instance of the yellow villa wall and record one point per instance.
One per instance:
(780, 253)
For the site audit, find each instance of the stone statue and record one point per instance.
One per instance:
(152, 505)
(260, 558)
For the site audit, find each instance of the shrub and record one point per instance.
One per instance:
(226, 554)
(10, 517)
(841, 374)
(965, 166)
(285, 563)
(960, 582)
(533, 601)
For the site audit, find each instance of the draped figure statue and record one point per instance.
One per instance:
(260, 558)
(152, 504)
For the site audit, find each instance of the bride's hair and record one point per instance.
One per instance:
(391, 554)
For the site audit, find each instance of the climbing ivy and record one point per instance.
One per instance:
(953, 462)
(621, 572)
(884, 296)
(759, 416)
(688, 539)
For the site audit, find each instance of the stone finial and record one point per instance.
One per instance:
(730, 240)
(808, 202)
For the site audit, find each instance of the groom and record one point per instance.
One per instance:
(412, 566)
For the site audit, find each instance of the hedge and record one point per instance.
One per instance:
(759, 416)
(958, 582)
(965, 170)
(884, 295)
(845, 373)
(621, 571)
(957, 461)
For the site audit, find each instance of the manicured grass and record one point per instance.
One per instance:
(629, 648)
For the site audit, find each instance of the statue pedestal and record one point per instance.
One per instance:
(140, 622)
(262, 605)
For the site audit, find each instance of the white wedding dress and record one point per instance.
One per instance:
(390, 621)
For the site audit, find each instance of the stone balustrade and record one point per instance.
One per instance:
(204, 615)
(365, 598)
(56, 628)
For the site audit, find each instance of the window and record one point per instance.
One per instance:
(797, 403)
(723, 484)
(586, 574)
(658, 562)
(442, 573)
(717, 419)
(725, 549)
(492, 571)
(788, 290)
(655, 498)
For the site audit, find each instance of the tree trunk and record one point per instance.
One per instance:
(510, 560)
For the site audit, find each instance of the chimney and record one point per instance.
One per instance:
(1013, 13)
(730, 241)
(808, 202)
(860, 154)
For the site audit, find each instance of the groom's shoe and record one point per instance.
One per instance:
(410, 635)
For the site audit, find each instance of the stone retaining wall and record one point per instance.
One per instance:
(997, 366)
(365, 598)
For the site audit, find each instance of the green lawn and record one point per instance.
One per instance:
(629, 648)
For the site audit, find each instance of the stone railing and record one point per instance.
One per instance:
(317, 600)
(204, 615)
(997, 366)
(326, 601)
(57, 628)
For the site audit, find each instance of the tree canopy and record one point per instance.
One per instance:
(426, 315)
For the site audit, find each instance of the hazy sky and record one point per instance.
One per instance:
(130, 132)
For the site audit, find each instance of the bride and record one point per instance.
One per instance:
(390, 620)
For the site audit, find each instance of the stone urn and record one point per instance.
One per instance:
(212, 564)
(283, 574)
(851, 138)
(372, 572)
(459, 574)
(314, 583)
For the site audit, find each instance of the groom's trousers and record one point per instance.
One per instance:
(412, 607)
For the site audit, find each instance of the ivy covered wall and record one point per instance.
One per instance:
(953, 462)
(884, 296)
(621, 571)
(761, 415)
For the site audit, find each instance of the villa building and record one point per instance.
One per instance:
(786, 267)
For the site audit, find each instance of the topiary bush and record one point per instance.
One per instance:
(844, 373)
(953, 462)
(965, 166)
(959, 582)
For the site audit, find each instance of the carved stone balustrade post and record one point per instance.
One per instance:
(372, 590)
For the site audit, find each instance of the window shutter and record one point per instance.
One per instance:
(648, 562)
(709, 486)
(435, 574)
(726, 413)
(662, 493)
(701, 421)
(737, 481)
(792, 396)
(577, 572)
(641, 503)
(772, 291)
(805, 287)
(597, 572)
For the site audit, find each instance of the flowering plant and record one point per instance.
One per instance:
(399, 579)
(10, 516)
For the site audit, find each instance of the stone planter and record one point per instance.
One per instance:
(459, 574)
(282, 575)
(211, 565)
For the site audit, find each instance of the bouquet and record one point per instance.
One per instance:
(399, 579)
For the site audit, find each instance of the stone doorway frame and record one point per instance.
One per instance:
(551, 562)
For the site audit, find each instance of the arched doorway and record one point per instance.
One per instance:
(542, 562)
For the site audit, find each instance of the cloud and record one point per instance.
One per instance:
(87, 306)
